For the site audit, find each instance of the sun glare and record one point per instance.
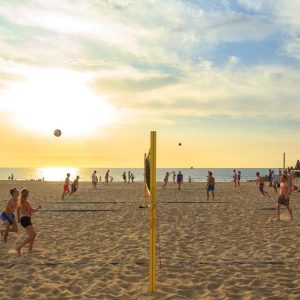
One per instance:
(56, 174)
(57, 99)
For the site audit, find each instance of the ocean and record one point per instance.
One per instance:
(197, 174)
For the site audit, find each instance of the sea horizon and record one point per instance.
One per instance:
(196, 174)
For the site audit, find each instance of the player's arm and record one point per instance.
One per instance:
(30, 208)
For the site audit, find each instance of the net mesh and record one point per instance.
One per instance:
(147, 172)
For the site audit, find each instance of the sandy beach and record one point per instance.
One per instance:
(97, 246)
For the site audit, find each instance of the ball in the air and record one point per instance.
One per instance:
(179, 144)
(57, 132)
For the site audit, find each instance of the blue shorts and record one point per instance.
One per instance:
(4, 217)
(210, 187)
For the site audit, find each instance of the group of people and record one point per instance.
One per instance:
(129, 178)
(176, 179)
(236, 178)
(283, 181)
(24, 210)
(95, 179)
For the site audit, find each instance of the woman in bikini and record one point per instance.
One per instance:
(24, 212)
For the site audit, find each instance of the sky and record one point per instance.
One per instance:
(221, 77)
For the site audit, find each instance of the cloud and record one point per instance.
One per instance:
(130, 85)
(173, 33)
(285, 15)
(159, 55)
(261, 92)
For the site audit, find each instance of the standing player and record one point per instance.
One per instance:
(166, 180)
(129, 176)
(179, 180)
(106, 176)
(8, 216)
(174, 177)
(124, 177)
(66, 187)
(234, 177)
(238, 178)
(94, 180)
(210, 186)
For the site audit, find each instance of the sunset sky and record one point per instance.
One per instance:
(221, 77)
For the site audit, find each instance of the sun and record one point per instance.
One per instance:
(53, 98)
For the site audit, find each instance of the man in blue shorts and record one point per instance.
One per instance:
(8, 217)
(210, 186)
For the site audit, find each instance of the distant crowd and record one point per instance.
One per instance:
(95, 180)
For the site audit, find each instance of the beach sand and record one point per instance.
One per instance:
(229, 249)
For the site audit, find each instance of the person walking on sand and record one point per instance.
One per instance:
(24, 217)
(124, 177)
(179, 180)
(210, 186)
(166, 180)
(8, 217)
(94, 179)
(66, 187)
(284, 197)
(74, 185)
(261, 183)
(132, 177)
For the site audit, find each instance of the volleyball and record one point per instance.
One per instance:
(57, 132)
(179, 144)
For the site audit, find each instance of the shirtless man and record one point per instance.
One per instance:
(284, 197)
(8, 216)
(261, 183)
(210, 186)
(66, 187)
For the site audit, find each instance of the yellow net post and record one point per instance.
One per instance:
(145, 185)
(152, 268)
